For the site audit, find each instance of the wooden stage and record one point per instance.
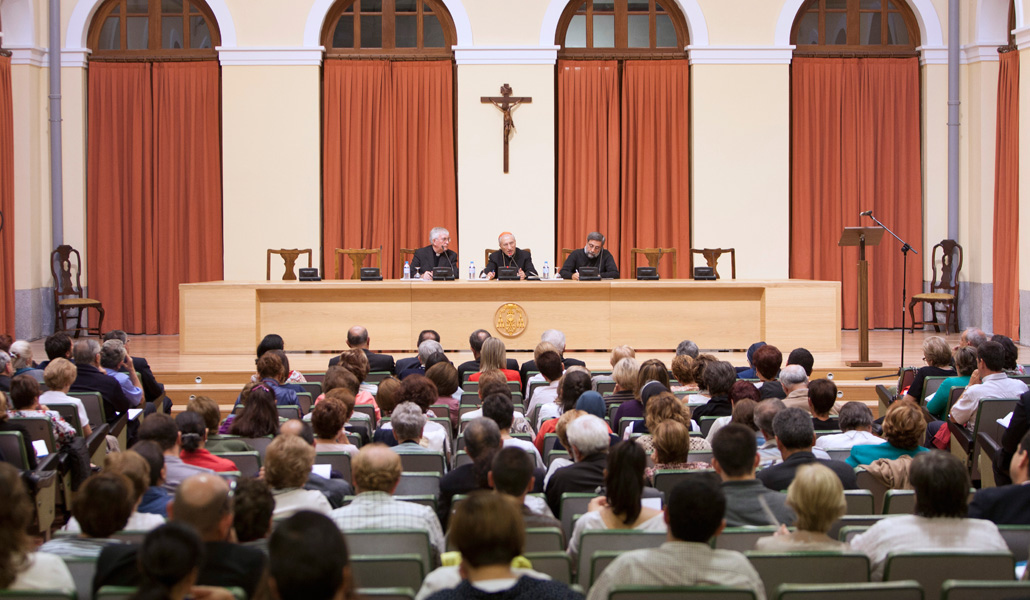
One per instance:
(232, 317)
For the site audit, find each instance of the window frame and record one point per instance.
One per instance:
(389, 25)
(853, 47)
(154, 52)
(621, 51)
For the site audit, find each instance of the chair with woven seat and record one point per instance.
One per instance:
(654, 256)
(289, 257)
(357, 257)
(711, 256)
(69, 300)
(943, 288)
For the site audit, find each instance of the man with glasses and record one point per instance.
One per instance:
(435, 255)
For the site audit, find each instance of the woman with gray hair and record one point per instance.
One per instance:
(856, 421)
(407, 423)
(21, 361)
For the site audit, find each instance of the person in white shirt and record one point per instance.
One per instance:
(551, 369)
(102, 506)
(26, 570)
(137, 470)
(856, 422)
(288, 462)
(939, 523)
(987, 381)
(59, 375)
(498, 408)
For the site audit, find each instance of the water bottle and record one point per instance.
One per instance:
(472, 269)
(547, 270)
(407, 270)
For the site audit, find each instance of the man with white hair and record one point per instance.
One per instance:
(5, 371)
(795, 383)
(408, 423)
(556, 338)
(588, 445)
(509, 256)
(435, 255)
(425, 350)
(974, 336)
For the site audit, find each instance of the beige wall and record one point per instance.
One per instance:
(31, 183)
(978, 117)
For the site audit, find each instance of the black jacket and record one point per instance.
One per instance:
(91, 379)
(521, 259)
(1005, 505)
(579, 258)
(778, 477)
(425, 259)
(376, 362)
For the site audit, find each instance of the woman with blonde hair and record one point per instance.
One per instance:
(817, 498)
(937, 356)
(495, 356)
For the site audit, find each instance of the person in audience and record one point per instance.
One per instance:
(1011, 366)
(334, 488)
(57, 345)
(6, 424)
(592, 403)
(511, 473)
(700, 364)
(309, 560)
(618, 353)
(495, 382)
(803, 358)
(557, 339)
(620, 507)
(694, 513)
(795, 438)
(252, 518)
(90, 377)
(288, 462)
(22, 363)
(489, 533)
(208, 410)
(22, 568)
(817, 498)
(822, 394)
(6, 371)
(719, 378)
(588, 446)
(494, 356)
(937, 356)
(625, 374)
(273, 374)
(735, 458)
(58, 377)
(688, 348)
(169, 560)
(794, 381)
(551, 369)
(741, 390)
(403, 364)
(856, 423)
(407, 425)
(592, 255)
(498, 408)
(476, 339)
(258, 417)
(765, 414)
(358, 339)
(941, 489)
(153, 391)
(661, 407)
(328, 420)
(274, 341)
(137, 470)
(425, 351)
(904, 429)
(448, 391)
(988, 381)
(1007, 504)
(377, 471)
(356, 363)
(749, 371)
(574, 383)
(155, 498)
(436, 254)
(193, 432)
(768, 360)
(418, 391)
(482, 441)
(965, 364)
(650, 370)
(1019, 425)
(973, 337)
(683, 371)
(561, 430)
(118, 364)
(744, 414)
(671, 443)
(161, 428)
(25, 402)
(205, 504)
(101, 508)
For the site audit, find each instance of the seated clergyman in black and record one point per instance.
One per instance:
(510, 256)
(435, 255)
(592, 255)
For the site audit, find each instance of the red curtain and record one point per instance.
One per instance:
(6, 197)
(1006, 200)
(154, 217)
(856, 146)
(389, 157)
(588, 152)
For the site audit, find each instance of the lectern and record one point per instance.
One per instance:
(861, 237)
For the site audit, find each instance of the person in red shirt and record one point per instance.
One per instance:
(194, 435)
(495, 356)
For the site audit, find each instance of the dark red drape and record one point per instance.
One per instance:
(154, 214)
(6, 197)
(1006, 200)
(856, 146)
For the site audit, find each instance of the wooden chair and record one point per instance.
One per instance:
(943, 288)
(654, 256)
(711, 256)
(406, 254)
(565, 252)
(289, 260)
(66, 263)
(357, 257)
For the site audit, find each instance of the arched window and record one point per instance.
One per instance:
(398, 28)
(622, 28)
(855, 27)
(152, 29)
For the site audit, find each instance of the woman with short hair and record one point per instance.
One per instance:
(904, 429)
(288, 462)
(817, 498)
(20, 567)
(937, 355)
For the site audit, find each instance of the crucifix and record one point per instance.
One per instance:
(506, 102)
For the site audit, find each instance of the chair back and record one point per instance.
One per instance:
(741, 539)
(866, 481)
(13, 449)
(337, 461)
(389, 593)
(668, 592)
(422, 462)
(654, 256)
(616, 540)
(259, 444)
(94, 404)
(777, 568)
(711, 256)
(930, 387)
(945, 280)
(984, 590)
(288, 411)
(839, 453)
(932, 569)
(859, 502)
(544, 539)
(666, 479)
(1018, 539)
(39, 429)
(572, 504)
(557, 565)
(357, 257)
(565, 252)
(896, 590)
(899, 502)
(289, 260)
(66, 268)
(247, 463)
(70, 413)
(853, 521)
(380, 542)
(419, 484)
(82, 570)
(388, 570)
(706, 425)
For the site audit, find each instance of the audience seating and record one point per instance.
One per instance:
(666, 479)
(776, 568)
(387, 570)
(706, 424)
(390, 542)
(704, 456)
(930, 387)
(377, 376)
(461, 459)
(312, 388)
(544, 539)
(932, 569)
(44, 497)
(422, 462)
(339, 461)
(899, 502)
(987, 413)
(953, 589)
(854, 521)
(556, 454)
(82, 570)
(985, 453)
(259, 444)
(860, 502)
(894, 590)
(247, 463)
(848, 533)
(605, 387)
(624, 424)
(94, 405)
(418, 484)
(866, 481)
(391, 593)
(1018, 539)
(839, 454)
(557, 565)
(633, 592)
(612, 540)
(37, 595)
(741, 539)
(572, 504)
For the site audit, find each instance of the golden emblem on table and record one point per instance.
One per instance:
(510, 320)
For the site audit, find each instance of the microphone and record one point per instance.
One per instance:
(450, 261)
(865, 213)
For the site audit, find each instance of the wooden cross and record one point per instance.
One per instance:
(506, 103)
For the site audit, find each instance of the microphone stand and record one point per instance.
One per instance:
(905, 248)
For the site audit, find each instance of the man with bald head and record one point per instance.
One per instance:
(510, 256)
(376, 471)
(204, 503)
(357, 337)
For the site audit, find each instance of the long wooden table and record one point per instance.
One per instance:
(227, 317)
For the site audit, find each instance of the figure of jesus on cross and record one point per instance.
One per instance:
(506, 102)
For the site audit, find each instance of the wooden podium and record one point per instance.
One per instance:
(861, 237)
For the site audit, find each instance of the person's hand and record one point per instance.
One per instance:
(490, 275)
(207, 592)
(782, 531)
(597, 504)
(428, 276)
(522, 274)
(575, 276)
(261, 473)
(975, 379)
(128, 361)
